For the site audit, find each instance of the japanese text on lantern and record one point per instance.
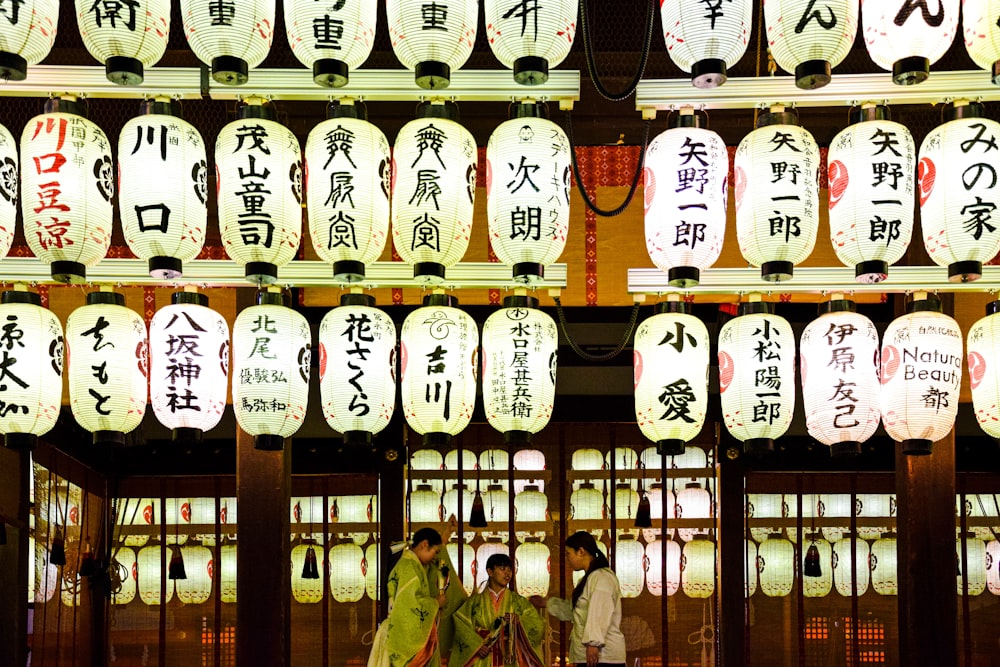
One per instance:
(256, 227)
(329, 30)
(788, 169)
(767, 377)
(158, 138)
(360, 329)
(526, 222)
(100, 370)
(978, 179)
(521, 340)
(53, 227)
(10, 340)
(678, 394)
(886, 175)
(692, 178)
(184, 361)
(339, 143)
(426, 229)
(839, 340)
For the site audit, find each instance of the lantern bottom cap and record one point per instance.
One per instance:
(812, 74)
(708, 73)
(114, 438)
(187, 434)
(349, 271)
(64, 271)
(437, 439)
(777, 271)
(17, 296)
(330, 73)
(355, 438)
(268, 442)
(429, 273)
(262, 273)
(911, 70)
(432, 75)
(12, 67)
(848, 448)
(23, 442)
(871, 271)
(123, 71)
(683, 276)
(670, 447)
(531, 71)
(917, 447)
(165, 268)
(967, 271)
(230, 70)
(529, 272)
(517, 438)
(758, 446)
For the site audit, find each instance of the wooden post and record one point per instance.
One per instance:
(732, 554)
(15, 472)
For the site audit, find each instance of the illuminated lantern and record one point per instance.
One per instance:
(371, 568)
(626, 505)
(971, 568)
(177, 517)
(698, 568)
(838, 362)
(461, 459)
(66, 187)
(529, 41)
(307, 590)
(529, 459)
(37, 335)
(426, 459)
(432, 39)
(706, 42)
(203, 514)
(258, 167)
(835, 506)
(693, 458)
(984, 361)
(871, 169)
(305, 515)
(982, 35)
(977, 506)
(125, 569)
(844, 567)
(621, 458)
(533, 569)
(347, 182)
(629, 560)
(957, 206)
(438, 346)
(776, 183)
(232, 37)
(27, 37)
(9, 184)
(331, 38)
(757, 376)
(530, 505)
(125, 36)
(458, 497)
(586, 458)
(163, 213)
(463, 564)
(750, 576)
(483, 553)
(586, 503)
(658, 502)
(874, 506)
(527, 191)
(149, 571)
(347, 579)
(356, 510)
(189, 365)
(654, 567)
(137, 512)
(921, 375)
(670, 366)
(198, 565)
(433, 191)
(883, 565)
(819, 584)
(107, 353)
(776, 566)
(686, 175)
(694, 502)
(763, 506)
(425, 505)
(227, 574)
(993, 566)
(905, 38)
(810, 41)
(496, 503)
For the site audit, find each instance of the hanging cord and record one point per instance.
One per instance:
(633, 319)
(588, 49)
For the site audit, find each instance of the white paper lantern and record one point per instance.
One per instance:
(438, 346)
(626, 505)
(835, 506)
(307, 590)
(993, 566)
(921, 375)
(776, 183)
(149, 568)
(203, 514)
(232, 37)
(272, 347)
(698, 568)
(705, 40)
(984, 361)
(530, 38)
(776, 566)
(906, 37)
(844, 568)
(817, 586)
(971, 569)
(757, 376)
(108, 355)
(982, 34)
(67, 181)
(124, 567)
(433, 191)
(657, 503)
(958, 205)
(9, 183)
(532, 563)
(655, 569)
(885, 580)
(177, 517)
(587, 458)
(425, 505)
(483, 554)
(464, 565)
(694, 502)
(27, 37)
(871, 169)
(357, 509)
(432, 38)
(227, 574)
(32, 392)
(330, 38)
(693, 458)
(629, 566)
(529, 459)
(426, 459)
(140, 513)
(189, 365)
(763, 506)
(258, 167)
(371, 568)
(496, 504)
(461, 459)
(527, 189)
(306, 511)
(530, 505)
(621, 458)
(670, 366)
(750, 576)
(807, 40)
(199, 568)
(347, 579)
(875, 505)
(586, 503)
(125, 36)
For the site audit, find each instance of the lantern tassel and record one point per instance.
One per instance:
(310, 569)
(812, 566)
(175, 570)
(643, 514)
(57, 553)
(88, 564)
(477, 518)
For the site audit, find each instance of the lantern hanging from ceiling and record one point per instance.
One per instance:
(530, 38)
(307, 590)
(532, 563)
(776, 566)
(905, 37)
(27, 36)
(654, 567)
(426, 459)
(847, 567)
(232, 37)
(125, 36)
(463, 558)
(258, 168)
(425, 505)
(347, 182)
(808, 40)
(529, 459)
(136, 512)
(875, 506)
(227, 574)
(496, 505)
(527, 191)
(356, 509)
(371, 568)
(438, 348)
(433, 191)
(9, 186)
(670, 366)
(698, 568)
(834, 506)
(66, 187)
(630, 556)
(586, 503)
(432, 39)
(162, 188)
(626, 501)
(347, 579)
(958, 206)
(177, 516)
(124, 564)
(776, 183)
(199, 567)
(871, 175)
(694, 502)
(107, 352)
(972, 566)
(838, 362)
(331, 38)
(883, 565)
(982, 35)
(820, 582)
(189, 365)
(462, 459)
(272, 350)
(757, 375)
(530, 505)
(993, 566)
(984, 369)
(35, 360)
(763, 506)
(203, 514)
(149, 570)
(661, 504)
(921, 374)
(706, 40)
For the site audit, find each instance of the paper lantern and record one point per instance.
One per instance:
(27, 37)
(821, 585)
(835, 506)
(982, 34)
(706, 40)
(621, 458)
(9, 182)
(871, 506)
(957, 206)
(698, 568)
(199, 567)
(149, 569)
(530, 505)
(984, 361)
(107, 353)
(763, 506)
(203, 514)
(306, 514)
(330, 38)
(227, 574)
(433, 191)
(496, 503)
(483, 553)
(177, 517)
(670, 366)
(125, 36)
(757, 376)
(979, 506)
(189, 365)
(694, 502)
(532, 564)
(993, 566)
(694, 458)
(307, 590)
(587, 458)
(750, 576)
(629, 566)
(438, 346)
(921, 375)
(845, 567)
(626, 505)
(906, 37)
(461, 459)
(357, 359)
(232, 37)
(530, 38)
(425, 505)
(463, 558)
(357, 509)
(776, 566)
(776, 172)
(371, 569)
(971, 567)
(272, 347)
(140, 513)
(808, 40)
(162, 188)
(871, 184)
(838, 362)
(657, 504)
(529, 459)
(258, 168)
(426, 459)
(434, 38)
(527, 191)
(883, 565)
(347, 580)
(586, 503)
(655, 567)
(33, 358)
(125, 569)
(67, 181)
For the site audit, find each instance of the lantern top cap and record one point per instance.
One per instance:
(346, 108)
(868, 111)
(528, 109)
(923, 302)
(256, 107)
(105, 298)
(777, 115)
(195, 298)
(21, 296)
(438, 109)
(993, 307)
(962, 108)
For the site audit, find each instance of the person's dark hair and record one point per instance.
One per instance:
(432, 536)
(499, 560)
(584, 540)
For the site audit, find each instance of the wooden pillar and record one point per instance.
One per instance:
(732, 554)
(15, 475)
(392, 456)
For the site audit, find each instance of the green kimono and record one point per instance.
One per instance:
(518, 641)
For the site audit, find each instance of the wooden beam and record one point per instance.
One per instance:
(15, 474)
